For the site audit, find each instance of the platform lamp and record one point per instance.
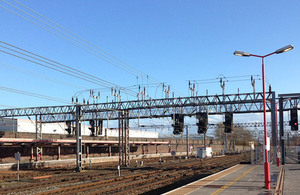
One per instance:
(245, 54)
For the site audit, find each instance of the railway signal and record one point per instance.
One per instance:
(294, 119)
(92, 128)
(228, 122)
(202, 122)
(68, 129)
(178, 124)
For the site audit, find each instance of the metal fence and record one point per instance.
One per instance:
(292, 154)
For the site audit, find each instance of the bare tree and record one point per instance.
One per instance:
(238, 136)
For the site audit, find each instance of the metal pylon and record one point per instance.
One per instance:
(78, 139)
(127, 144)
(124, 145)
(120, 120)
(38, 135)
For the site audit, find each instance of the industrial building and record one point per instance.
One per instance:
(29, 126)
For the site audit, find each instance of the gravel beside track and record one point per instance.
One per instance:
(153, 177)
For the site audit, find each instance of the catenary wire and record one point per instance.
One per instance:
(118, 65)
(66, 39)
(68, 35)
(64, 68)
(84, 40)
(34, 74)
(51, 68)
(33, 94)
(59, 65)
(226, 77)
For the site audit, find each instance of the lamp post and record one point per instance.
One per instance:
(245, 54)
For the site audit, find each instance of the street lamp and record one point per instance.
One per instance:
(246, 54)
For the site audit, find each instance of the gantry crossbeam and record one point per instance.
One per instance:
(154, 108)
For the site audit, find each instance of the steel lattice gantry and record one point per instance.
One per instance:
(154, 108)
(151, 108)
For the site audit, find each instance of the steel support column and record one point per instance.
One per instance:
(124, 145)
(187, 141)
(281, 131)
(120, 129)
(273, 119)
(78, 139)
(123, 139)
(127, 144)
(38, 135)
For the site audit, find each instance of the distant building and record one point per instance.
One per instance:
(29, 126)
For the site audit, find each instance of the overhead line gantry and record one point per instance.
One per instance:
(152, 108)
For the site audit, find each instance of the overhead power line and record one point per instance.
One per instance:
(88, 44)
(216, 81)
(56, 64)
(79, 41)
(34, 95)
(218, 78)
(38, 75)
(52, 32)
(105, 55)
(6, 106)
(47, 63)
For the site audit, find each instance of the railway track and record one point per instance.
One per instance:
(9, 176)
(12, 175)
(135, 180)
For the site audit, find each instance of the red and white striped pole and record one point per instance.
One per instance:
(266, 163)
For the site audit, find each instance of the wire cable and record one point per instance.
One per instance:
(33, 94)
(73, 43)
(84, 40)
(61, 68)
(226, 77)
(88, 44)
(34, 74)
(131, 71)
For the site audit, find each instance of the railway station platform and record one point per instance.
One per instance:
(244, 179)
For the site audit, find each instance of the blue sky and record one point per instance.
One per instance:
(171, 41)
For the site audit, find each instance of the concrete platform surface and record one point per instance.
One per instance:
(291, 185)
(240, 179)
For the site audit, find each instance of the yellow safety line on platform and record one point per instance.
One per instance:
(235, 180)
